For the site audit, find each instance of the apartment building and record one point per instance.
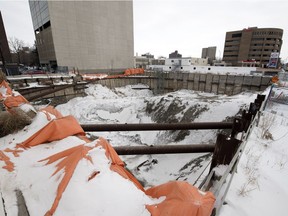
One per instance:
(252, 44)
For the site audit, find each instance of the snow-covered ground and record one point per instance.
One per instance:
(126, 105)
(259, 187)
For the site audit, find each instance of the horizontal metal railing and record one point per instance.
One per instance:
(157, 126)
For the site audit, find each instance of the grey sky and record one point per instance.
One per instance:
(163, 26)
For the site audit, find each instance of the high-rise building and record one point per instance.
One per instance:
(252, 44)
(210, 53)
(92, 36)
(4, 47)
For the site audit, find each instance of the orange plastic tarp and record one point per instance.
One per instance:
(132, 71)
(8, 91)
(14, 101)
(53, 111)
(57, 129)
(68, 161)
(181, 199)
(117, 164)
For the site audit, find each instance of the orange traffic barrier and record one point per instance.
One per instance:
(181, 199)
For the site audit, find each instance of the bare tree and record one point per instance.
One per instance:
(16, 45)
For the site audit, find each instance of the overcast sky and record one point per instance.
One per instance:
(163, 26)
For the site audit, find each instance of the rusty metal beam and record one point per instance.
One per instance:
(157, 126)
(164, 149)
(49, 92)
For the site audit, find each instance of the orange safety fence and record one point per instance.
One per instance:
(132, 71)
(127, 72)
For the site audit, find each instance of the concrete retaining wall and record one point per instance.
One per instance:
(157, 81)
(218, 84)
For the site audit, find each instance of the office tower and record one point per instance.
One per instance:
(252, 44)
(92, 36)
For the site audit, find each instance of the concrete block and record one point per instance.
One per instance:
(256, 81)
(247, 80)
(196, 81)
(201, 86)
(60, 93)
(222, 78)
(237, 89)
(214, 88)
(222, 88)
(230, 79)
(179, 76)
(265, 81)
(238, 80)
(191, 76)
(229, 89)
(190, 85)
(185, 77)
(209, 78)
(171, 84)
(69, 91)
(179, 84)
(215, 79)
(202, 78)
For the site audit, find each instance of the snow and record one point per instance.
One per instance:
(258, 188)
(101, 196)
(260, 185)
(127, 105)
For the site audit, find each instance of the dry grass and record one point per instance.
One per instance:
(13, 122)
(265, 125)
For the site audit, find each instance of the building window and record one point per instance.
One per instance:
(236, 35)
(169, 67)
(181, 67)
